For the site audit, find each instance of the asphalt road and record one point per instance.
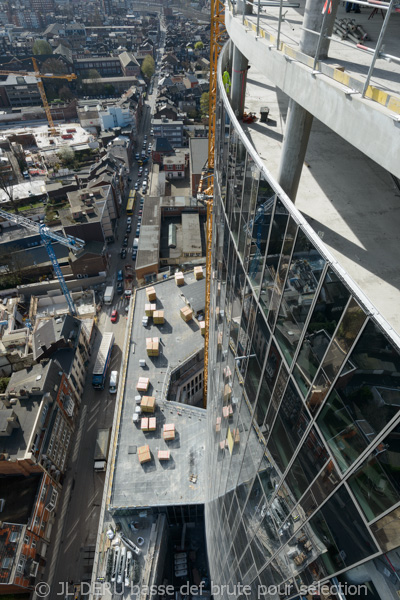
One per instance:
(73, 538)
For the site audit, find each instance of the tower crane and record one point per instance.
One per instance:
(217, 37)
(40, 85)
(48, 236)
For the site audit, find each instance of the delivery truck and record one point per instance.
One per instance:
(101, 449)
(109, 294)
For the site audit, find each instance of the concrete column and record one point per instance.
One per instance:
(238, 81)
(297, 133)
(299, 121)
(247, 5)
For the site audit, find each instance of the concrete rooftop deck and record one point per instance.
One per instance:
(167, 482)
(349, 200)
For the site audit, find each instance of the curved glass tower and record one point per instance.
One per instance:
(304, 399)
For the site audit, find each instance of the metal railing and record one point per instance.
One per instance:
(268, 25)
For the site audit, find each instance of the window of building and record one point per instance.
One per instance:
(53, 500)
(21, 565)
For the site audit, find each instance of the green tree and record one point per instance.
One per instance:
(204, 104)
(65, 94)
(67, 157)
(148, 66)
(41, 47)
(3, 384)
(54, 66)
(199, 46)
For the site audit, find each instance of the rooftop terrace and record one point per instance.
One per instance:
(155, 482)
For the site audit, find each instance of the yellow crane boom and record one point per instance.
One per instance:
(217, 35)
(42, 93)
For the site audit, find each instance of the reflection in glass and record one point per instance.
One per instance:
(270, 374)
(338, 526)
(349, 328)
(250, 188)
(283, 267)
(277, 235)
(289, 428)
(365, 398)
(258, 349)
(327, 312)
(387, 531)
(301, 283)
(259, 226)
(376, 483)
(307, 464)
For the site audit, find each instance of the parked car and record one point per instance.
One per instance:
(146, 171)
(134, 254)
(114, 316)
(120, 275)
(120, 287)
(123, 253)
(140, 212)
(137, 185)
(137, 155)
(149, 148)
(129, 220)
(125, 242)
(151, 131)
(137, 231)
(140, 170)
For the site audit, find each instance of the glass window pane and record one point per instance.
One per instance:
(258, 349)
(350, 326)
(386, 531)
(376, 483)
(341, 532)
(365, 398)
(290, 425)
(270, 374)
(283, 266)
(259, 225)
(301, 283)
(277, 235)
(326, 315)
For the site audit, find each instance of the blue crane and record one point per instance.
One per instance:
(48, 236)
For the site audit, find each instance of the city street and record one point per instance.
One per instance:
(73, 537)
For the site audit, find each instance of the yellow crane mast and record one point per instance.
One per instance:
(217, 36)
(42, 93)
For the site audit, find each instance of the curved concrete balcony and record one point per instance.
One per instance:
(332, 90)
(348, 204)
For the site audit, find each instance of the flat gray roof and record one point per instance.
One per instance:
(155, 482)
(198, 148)
(149, 239)
(191, 243)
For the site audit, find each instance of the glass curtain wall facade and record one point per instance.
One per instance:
(304, 399)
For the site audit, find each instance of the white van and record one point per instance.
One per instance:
(113, 382)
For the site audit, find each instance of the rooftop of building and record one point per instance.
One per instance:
(349, 200)
(198, 148)
(191, 243)
(176, 159)
(155, 482)
(49, 331)
(19, 493)
(149, 240)
(37, 380)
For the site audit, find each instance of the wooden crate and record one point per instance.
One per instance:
(148, 404)
(169, 432)
(149, 309)
(198, 272)
(143, 384)
(144, 424)
(186, 314)
(153, 346)
(163, 455)
(144, 454)
(179, 278)
(151, 293)
(152, 424)
(158, 317)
